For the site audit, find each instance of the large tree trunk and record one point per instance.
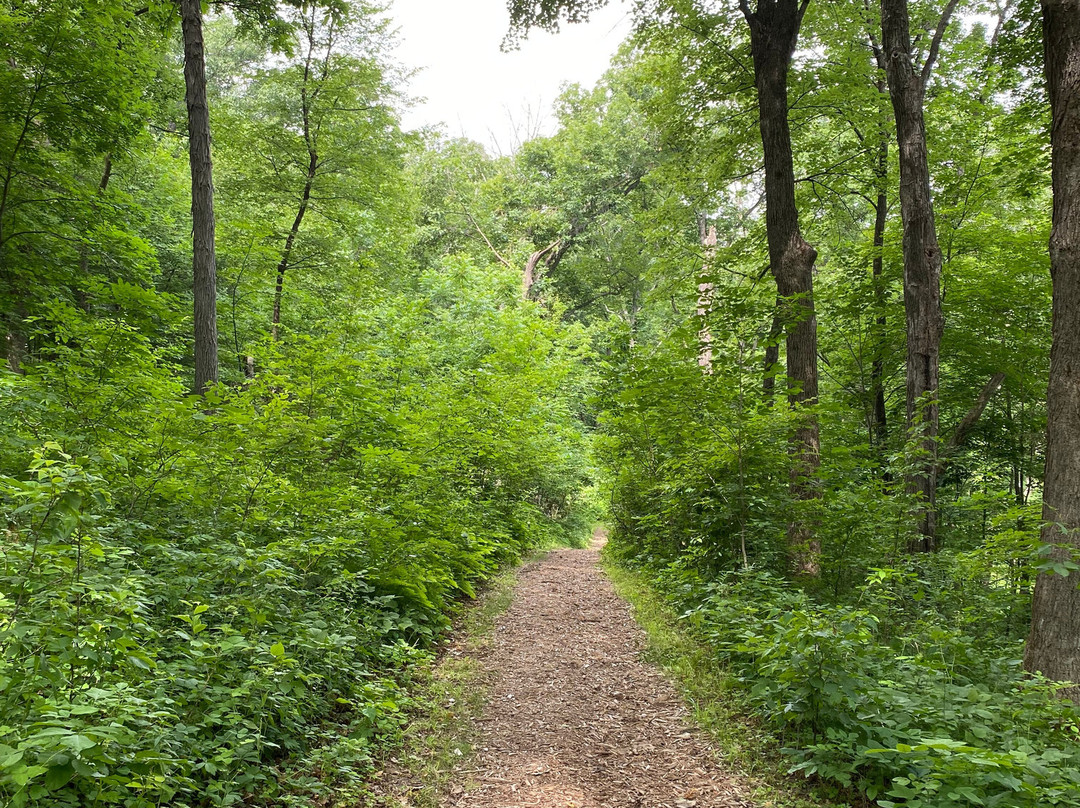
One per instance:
(1053, 648)
(922, 256)
(774, 32)
(204, 263)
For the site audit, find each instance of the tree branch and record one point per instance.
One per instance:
(802, 13)
(529, 276)
(935, 43)
(487, 241)
(972, 416)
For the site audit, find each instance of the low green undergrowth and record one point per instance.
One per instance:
(719, 705)
(451, 695)
(910, 713)
(427, 737)
(197, 593)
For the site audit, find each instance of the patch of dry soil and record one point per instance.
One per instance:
(575, 718)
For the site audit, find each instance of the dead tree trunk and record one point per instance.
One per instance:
(922, 255)
(774, 32)
(705, 298)
(204, 261)
(1053, 647)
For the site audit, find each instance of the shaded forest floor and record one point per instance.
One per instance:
(573, 718)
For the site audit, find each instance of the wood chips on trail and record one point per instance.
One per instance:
(575, 718)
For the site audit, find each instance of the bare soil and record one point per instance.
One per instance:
(575, 718)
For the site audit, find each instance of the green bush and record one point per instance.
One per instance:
(926, 717)
(191, 588)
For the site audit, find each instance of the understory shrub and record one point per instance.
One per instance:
(913, 713)
(193, 589)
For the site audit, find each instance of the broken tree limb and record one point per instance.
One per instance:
(528, 278)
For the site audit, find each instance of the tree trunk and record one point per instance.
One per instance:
(305, 198)
(204, 262)
(531, 274)
(879, 430)
(922, 259)
(772, 353)
(1053, 647)
(972, 416)
(705, 299)
(774, 32)
(311, 143)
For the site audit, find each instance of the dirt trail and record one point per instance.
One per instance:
(575, 718)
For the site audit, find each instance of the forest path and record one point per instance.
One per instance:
(575, 718)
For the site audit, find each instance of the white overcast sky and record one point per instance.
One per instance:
(478, 91)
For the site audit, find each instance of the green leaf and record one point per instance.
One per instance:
(78, 743)
(23, 776)
(59, 776)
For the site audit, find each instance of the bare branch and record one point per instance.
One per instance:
(487, 241)
(935, 43)
(744, 7)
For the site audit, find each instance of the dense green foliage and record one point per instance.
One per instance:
(428, 353)
(193, 589)
(206, 600)
(897, 692)
(896, 675)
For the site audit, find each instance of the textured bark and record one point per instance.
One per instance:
(774, 32)
(922, 255)
(204, 261)
(1053, 647)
